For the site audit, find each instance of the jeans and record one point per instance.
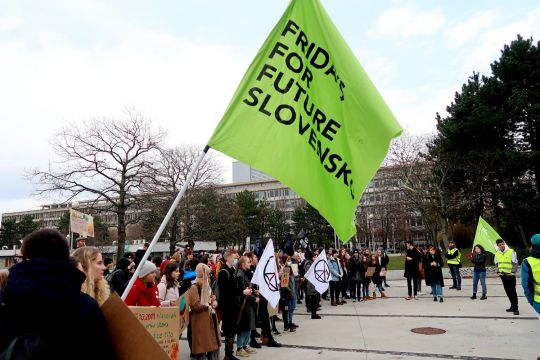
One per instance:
(456, 275)
(292, 307)
(479, 275)
(365, 286)
(380, 288)
(334, 291)
(242, 339)
(436, 288)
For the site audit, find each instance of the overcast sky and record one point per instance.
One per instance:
(179, 63)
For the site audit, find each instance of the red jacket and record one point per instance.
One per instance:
(141, 295)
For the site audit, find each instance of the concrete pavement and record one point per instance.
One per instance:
(381, 328)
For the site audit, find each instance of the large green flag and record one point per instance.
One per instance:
(307, 114)
(486, 236)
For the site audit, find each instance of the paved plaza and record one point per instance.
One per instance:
(381, 329)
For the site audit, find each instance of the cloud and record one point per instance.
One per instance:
(406, 22)
(468, 30)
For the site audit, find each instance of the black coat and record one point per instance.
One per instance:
(228, 299)
(411, 266)
(248, 317)
(433, 272)
(384, 260)
(44, 296)
(120, 276)
(355, 268)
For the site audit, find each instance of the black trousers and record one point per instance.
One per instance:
(344, 285)
(412, 282)
(264, 317)
(509, 283)
(334, 291)
(356, 289)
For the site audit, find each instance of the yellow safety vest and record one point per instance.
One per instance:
(457, 259)
(504, 261)
(535, 266)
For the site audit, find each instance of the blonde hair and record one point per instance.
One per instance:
(98, 289)
(3, 278)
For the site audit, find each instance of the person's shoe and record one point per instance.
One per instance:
(250, 350)
(291, 329)
(315, 316)
(484, 297)
(299, 301)
(347, 297)
(458, 288)
(374, 295)
(383, 295)
(333, 303)
(354, 300)
(473, 297)
(230, 357)
(241, 353)
(293, 325)
(254, 344)
(441, 300)
(343, 302)
(415, 298)
(408, 298)
(256, 333)
(386, 284)
(516, 311)
(272, 343)
(435, 299)
(453, 287)
(339, 303)
(276, 332)
(510, 309)
(264, 340)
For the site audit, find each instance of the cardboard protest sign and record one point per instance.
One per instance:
(370, 271)
(285, 277)
(80, 223)
(130, 340)
(163, 324)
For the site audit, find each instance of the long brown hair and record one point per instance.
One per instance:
(167, 272)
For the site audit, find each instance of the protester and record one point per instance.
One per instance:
(80, 242)
(412, 272)
(108, 262)
(254, 334)
(144, 291)
(95, 284)
(376, 277)
(311, 292)
(383, 262)
(479, 260)
(344, 263)
(42, 302)
(506, 260)
(355, 274)
(454, 264)
(205, 339)
(247, 312)
(157, 260)
(337, 273)
(366, 280)
(530, 275)
(119, 278)
(433, 265)
(228, 302)
(139, 254)
(168, 286)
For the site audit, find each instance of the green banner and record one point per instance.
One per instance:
(307, 114)
(486, 236)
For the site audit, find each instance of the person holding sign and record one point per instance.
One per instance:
(144, 292)
(95, 284)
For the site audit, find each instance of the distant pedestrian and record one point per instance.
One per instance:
(108, 262)
(433, 273)
(412, 271)
(506, 260)
(453, 256)
(119, 278)
(95, 284)
(479, 260)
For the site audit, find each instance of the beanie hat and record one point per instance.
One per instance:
(535, 240)
(147, 268)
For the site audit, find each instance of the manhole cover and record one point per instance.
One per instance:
(428, 331)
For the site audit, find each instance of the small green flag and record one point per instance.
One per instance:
(307, 114)
(486, 236)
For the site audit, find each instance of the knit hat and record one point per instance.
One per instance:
(147, 268)
(535, 240)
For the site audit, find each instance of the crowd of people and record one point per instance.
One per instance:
(218, 289)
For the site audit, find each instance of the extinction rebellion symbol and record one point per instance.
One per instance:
(322, 272)
(270, 275)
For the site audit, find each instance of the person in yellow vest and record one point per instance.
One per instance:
(530, 275)
(506, 261)
(454, 263)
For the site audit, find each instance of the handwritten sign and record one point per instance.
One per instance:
(163, 324)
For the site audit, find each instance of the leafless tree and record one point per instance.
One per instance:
(171, 170)
(104, 158)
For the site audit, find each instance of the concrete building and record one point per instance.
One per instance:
(243, 173)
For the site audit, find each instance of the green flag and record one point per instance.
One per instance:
(307, 114)
(486, 236)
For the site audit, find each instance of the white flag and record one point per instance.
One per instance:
(319, 273)
(267, 276)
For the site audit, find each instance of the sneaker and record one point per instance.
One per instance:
(484, 297)
(291, 329)
(254, 344)
(453, 287)
(516, 311)
(249, 350)
(459, 288)
(315, 316)
(241, 353)
(434, 299)
(441, 300)
(353, 300)
(272, 343)
(293, 325)
(510, 309)
(416, 298)
(473, 297)
(276, 332)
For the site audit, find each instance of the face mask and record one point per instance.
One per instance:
(234, 262)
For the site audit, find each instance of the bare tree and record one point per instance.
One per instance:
(171, 170)
(108, 159)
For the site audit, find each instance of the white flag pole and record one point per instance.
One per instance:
(165, 222)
